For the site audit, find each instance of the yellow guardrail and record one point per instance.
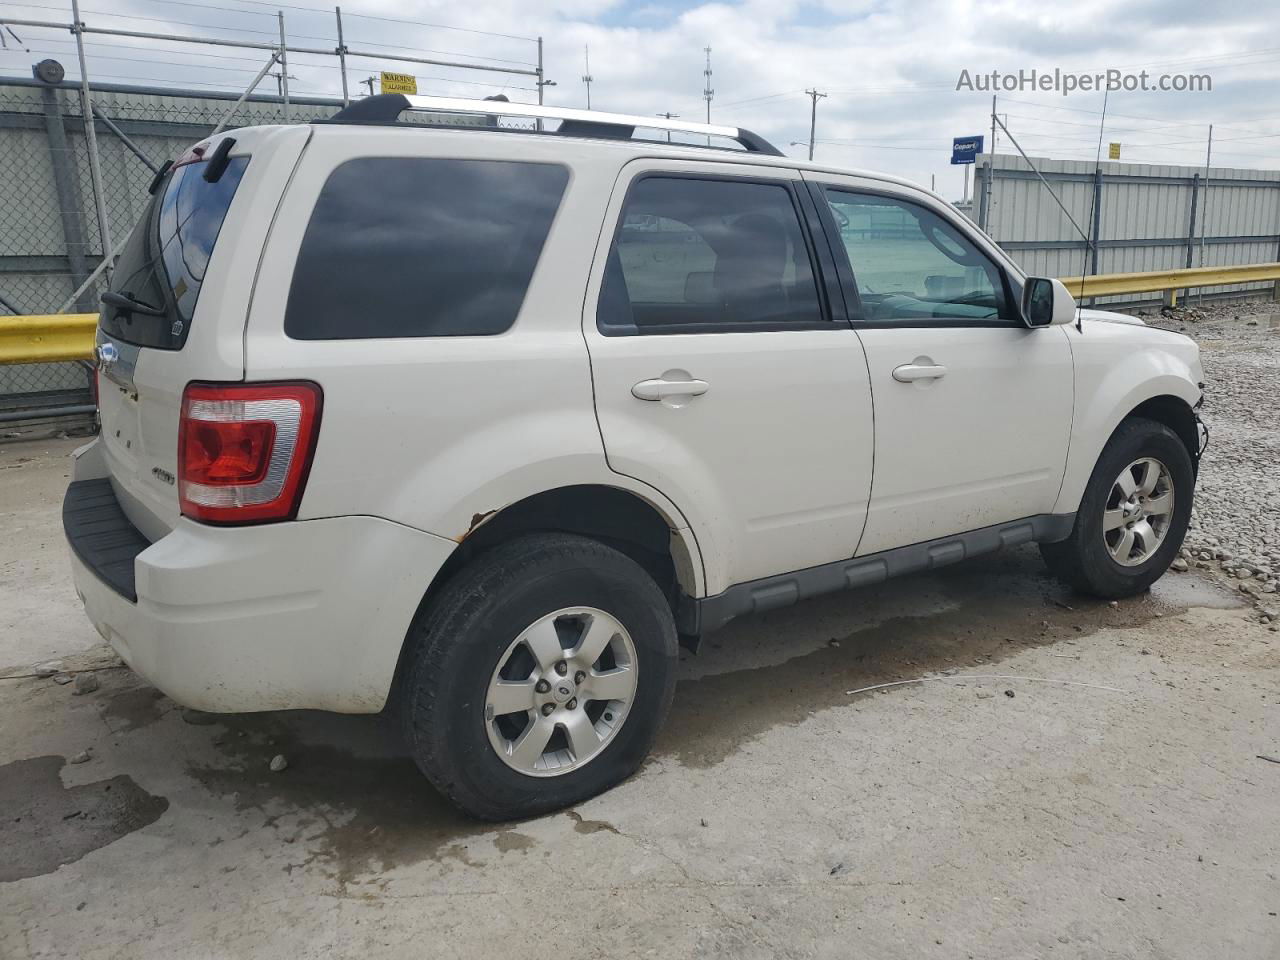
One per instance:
(48, 338)
(1170, 281)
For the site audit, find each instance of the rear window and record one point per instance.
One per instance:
(421, 247)
(163, 264)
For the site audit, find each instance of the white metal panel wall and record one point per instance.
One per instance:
(1145, 217)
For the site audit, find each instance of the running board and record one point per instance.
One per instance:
(696, 617)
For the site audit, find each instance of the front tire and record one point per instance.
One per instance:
(540, 677)
(1133, 515)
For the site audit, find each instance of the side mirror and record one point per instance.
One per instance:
(1046, 302)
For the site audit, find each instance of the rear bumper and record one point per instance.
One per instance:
(280, 616)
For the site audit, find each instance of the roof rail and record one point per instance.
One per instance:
(387, 107)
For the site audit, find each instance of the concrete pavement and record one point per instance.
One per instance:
(1124, 814)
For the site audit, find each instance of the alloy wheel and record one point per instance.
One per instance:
(1138, 512)
(561, 691)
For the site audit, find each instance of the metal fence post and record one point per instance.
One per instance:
(284, 68)
(1096, 227)
(1191, 224)
(66, 189)
(984, 195)
(1275, 292)
(91, 140)
(538, 82)
(342, 57)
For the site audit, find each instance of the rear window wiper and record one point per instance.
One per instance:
(127, 304)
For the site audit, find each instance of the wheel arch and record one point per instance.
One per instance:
(1176, 414)
(615, 516)
(1169, 399)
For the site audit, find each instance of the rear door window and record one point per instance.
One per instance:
(163, 264)
(703, 255)
(421, 247)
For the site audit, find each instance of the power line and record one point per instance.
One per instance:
(771, 96)
(1131, 116)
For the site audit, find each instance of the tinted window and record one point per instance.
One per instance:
(414, 247)
(695, 255)
(912, 265)
(164, 261)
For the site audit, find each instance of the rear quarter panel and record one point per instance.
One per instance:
(438, 433)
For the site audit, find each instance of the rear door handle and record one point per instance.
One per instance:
(661, 389)
(909, 372)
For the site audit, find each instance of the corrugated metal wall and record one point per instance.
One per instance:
(1144, 219)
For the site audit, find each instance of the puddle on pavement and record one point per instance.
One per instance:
(44, 825)
(135, 707)
(350, 803)
(993, 608)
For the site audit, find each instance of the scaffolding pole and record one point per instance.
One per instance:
(90, 139)
(284, 68)
(257, 45)
(342, 57)
(253, 85)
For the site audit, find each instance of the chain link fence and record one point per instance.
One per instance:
(69, 199)
(51, 243)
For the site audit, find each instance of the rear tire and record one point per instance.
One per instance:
(511, 625)
(1106, 555)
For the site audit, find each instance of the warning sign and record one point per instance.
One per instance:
(1113, 153)
(399, 83)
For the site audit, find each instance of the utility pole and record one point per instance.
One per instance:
(707, 83)
(670, 116)
(1204, 214)
(586, 77)
(281, 80)
(1208, 157)
(993, 127)
(815, 96)
(370, 81)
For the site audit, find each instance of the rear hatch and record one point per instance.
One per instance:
(176, 306)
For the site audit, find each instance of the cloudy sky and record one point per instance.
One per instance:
(889, 67)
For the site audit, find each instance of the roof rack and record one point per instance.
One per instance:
(387, 107)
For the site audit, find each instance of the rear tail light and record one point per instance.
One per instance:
(244, 450)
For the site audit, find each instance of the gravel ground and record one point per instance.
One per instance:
(1236, 524)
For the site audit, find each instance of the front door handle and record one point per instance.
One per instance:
(660, 389)
(910, 372)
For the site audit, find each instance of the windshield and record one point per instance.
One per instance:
(162, 267)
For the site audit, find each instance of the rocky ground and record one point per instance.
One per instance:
(1236, 524)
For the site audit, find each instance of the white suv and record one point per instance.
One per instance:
(482, 422)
